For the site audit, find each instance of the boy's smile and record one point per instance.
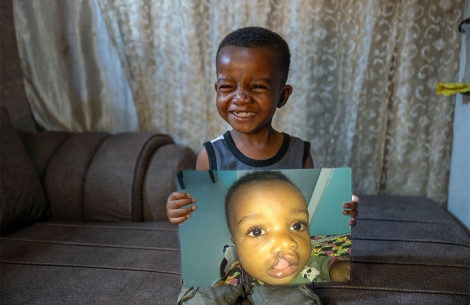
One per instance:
(249, 88)
(270, 231)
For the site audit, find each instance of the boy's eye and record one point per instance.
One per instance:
(259, 87)
(256, 232)
(225, 87)
(299, 226)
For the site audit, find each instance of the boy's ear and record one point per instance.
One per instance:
(286, 92)
(215, 86)
(232, 240)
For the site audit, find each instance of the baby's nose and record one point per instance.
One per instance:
(285, 242)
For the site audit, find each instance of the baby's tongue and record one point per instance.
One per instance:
(281, 264)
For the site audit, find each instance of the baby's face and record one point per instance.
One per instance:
(270, 231)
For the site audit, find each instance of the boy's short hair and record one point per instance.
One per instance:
(258, 37)
(248, 179)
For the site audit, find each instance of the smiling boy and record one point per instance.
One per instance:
(252, 67)
(251, 85)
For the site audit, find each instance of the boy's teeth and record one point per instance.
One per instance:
(244, 114)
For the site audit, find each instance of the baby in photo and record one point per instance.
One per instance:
(268, 219)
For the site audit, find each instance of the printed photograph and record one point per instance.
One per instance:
(266, 227)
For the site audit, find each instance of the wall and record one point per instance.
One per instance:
(459, 184)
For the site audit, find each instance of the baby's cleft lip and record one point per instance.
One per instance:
(284, 267)
(285, 271)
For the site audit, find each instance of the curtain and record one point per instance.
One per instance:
(69, 66)
(363, 72)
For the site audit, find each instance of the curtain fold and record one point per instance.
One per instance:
(363, 72)
(71, 80)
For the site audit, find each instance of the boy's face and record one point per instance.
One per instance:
(270, 231)
(249, 88)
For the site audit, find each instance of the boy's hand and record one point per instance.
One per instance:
(175, 210)
(340, 271)
(351, 209)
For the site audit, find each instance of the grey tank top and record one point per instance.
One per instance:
(224, 155)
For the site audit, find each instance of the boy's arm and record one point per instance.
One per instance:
(202, 163)
(308, 163)
(175, 205)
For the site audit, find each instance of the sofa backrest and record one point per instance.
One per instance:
(97, 176)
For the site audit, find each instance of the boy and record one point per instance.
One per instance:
(252, 66)
(267, 216)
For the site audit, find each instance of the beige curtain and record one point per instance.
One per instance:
(363, 72)
(69, 65)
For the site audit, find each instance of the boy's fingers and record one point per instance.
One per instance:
(352, 222)
(176, 204)
(181, 212)
(179, 220)
(350, 205)
(174, 207)
(178, 195)
(179, 216)
(352, 213)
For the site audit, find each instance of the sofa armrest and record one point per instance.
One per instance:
(97, 176)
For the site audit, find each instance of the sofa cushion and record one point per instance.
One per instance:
(22, 197)
(91, 263)
(406, 250)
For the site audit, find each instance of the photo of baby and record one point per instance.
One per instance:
(257, 228)
(267, 216)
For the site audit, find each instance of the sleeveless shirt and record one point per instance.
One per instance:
(223, 154)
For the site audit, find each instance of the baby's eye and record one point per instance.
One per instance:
(299, 226)
(259, 87)
(256, 232)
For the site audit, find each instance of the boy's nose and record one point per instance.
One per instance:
(241, 98)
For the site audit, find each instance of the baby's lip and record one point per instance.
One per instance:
(284, 265)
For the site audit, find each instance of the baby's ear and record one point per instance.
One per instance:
(232, 240)
(286, 92)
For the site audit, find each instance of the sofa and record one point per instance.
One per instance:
(83, 221)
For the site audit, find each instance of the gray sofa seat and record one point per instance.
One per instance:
(406, 250)
(91, 263)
